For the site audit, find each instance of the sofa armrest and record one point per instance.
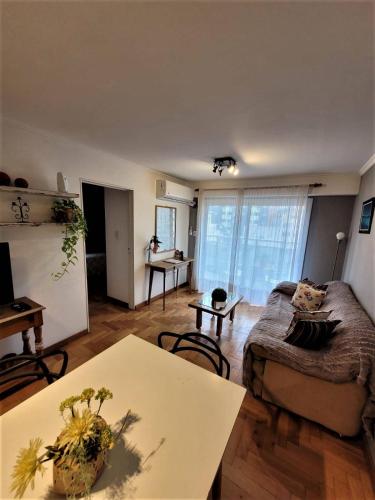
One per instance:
(286, 287)
(277, 350)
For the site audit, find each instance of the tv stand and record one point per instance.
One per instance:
(12, 322)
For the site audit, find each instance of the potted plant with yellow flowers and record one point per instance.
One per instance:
(79, 452)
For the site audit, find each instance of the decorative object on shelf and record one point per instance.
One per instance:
(21, 210)
(4, 179)
(339, 237)
(179, 254)
(66, 210)
(219, 298)
(21, 182)
(62, 183)
(225, 162)
(367, 216)
(79, 452)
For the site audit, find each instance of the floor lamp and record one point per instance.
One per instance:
(339, 237)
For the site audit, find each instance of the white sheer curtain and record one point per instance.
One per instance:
(215, 249)
(249, 240)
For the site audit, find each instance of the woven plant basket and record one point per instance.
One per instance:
(69, 480)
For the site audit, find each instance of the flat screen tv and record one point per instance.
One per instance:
(6, 280)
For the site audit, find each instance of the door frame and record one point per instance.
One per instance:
(131, 240)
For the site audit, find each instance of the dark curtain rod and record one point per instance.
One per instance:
(312, 185)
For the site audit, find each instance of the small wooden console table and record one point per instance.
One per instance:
(165, 267)
(12, 322)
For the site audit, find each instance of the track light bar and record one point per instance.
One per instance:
(225, 162)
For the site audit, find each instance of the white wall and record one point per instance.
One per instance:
(333, 184)
(38, 156)
(118, 239)
(359, 268)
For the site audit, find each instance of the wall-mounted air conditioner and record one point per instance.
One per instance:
(167, 190)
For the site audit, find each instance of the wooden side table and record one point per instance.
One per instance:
(12, 322)
(165, 267)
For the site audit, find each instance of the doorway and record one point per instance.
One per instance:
(109, 244)
(96, 262)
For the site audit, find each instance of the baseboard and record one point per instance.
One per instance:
(76, 336)
(369, 447)
(63, 342)
(117, 302)
(160, 295)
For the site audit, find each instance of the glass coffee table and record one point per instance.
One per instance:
(204, 304)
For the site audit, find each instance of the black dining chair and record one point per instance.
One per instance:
(26, 369)
(202, 344)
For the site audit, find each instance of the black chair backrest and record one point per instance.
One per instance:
(20, 368)
(203, 345)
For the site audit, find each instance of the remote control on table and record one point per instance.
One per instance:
(20, 306)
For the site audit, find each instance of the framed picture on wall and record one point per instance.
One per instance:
(367, 216)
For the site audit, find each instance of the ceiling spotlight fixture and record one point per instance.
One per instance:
(226, 161)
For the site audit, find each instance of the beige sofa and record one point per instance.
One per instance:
(303, 388)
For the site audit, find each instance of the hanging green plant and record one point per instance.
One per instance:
(67, 211)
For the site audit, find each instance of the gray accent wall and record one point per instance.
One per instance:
(359, 269)
(329, 215)
(193, 214)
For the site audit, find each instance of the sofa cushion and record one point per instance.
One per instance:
(310, 315)
(307, 298)
(311, 334)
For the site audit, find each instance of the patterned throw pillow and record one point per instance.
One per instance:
(311, 334)
(307, 298)
(310, 315)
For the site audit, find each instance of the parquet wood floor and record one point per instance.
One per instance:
(271, 453)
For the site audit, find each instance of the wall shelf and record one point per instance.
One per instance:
(33, 224)
(40, 192)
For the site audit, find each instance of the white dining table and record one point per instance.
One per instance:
(182, 418)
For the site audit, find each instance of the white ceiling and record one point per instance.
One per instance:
(283, 87)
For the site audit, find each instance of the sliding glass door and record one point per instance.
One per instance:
(252, 239)
(218, 233)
